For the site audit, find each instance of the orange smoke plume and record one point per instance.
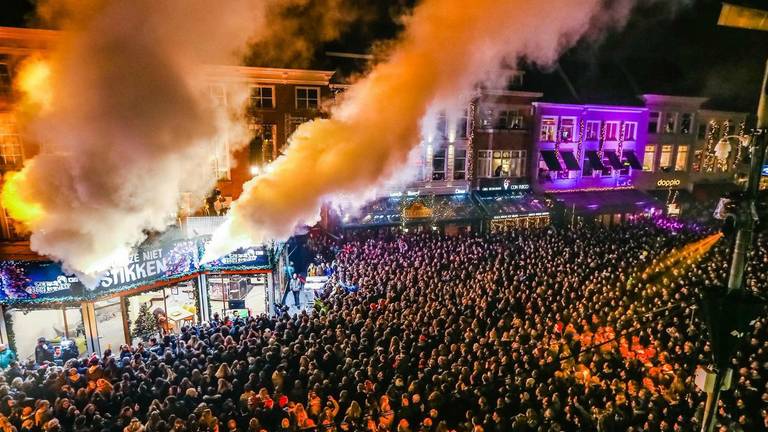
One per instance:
(447, 48)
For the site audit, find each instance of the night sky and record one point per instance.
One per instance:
(683, 53)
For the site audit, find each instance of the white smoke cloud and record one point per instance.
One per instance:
(128, 125)
(447, 48)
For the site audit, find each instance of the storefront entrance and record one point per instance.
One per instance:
(235, 293)
(55, 325)
(116, 317)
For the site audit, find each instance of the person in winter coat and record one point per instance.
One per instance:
(6, 356)
(43, 352)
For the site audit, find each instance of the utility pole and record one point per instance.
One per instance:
(754, 19)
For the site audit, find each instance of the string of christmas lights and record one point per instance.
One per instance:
(620, 144)
(580, 144)
(740, 147)
(471, 142)
(722, 165)
(709, 154)
(601, 143)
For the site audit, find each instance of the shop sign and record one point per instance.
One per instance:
(765, 171)
(662, 183)
(248, 257)
(149, 264)
(417, 210)
(20, 280)
(29, 280)
(501, 184)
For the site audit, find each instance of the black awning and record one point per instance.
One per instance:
(631, 158)
(614, 160)
(594, 160)
(550, 158)
(570, 160)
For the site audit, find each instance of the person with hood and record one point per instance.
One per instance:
(43, 352)
(6, 356)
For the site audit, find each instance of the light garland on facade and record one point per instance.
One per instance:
(580, 145)
(723, 164)
(620, 144)
(592, 189)
(471, 142)
(601, 144)
(739, 147)
(709, 155)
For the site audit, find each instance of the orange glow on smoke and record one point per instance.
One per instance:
(34, 83)
(679, 260)
(19, 208)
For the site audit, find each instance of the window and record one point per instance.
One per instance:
(517, 163)
(460, 165)
(510, 119)
(593, 130)
(612, 131)
(438, 165)
(665, 160)
(221, 162)
(548, 129)
(52, 324)
(441, 126)
(501, 163)
(516, 120)
(5, 80)
(670, 122)
(653, 121)
(630, 131)
(483, 163)
(686, 123)
(702, 132)
(681, 162)
(462, 124)
(218, 94)
(224, 288)
(648, 157)
(263, 97)
(11, 152)
(307, 97)
(567, 129)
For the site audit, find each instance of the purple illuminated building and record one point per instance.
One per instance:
(587, 147)
(588, 158)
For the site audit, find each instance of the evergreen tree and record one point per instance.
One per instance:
(145, 324)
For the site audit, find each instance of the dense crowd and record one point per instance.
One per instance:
(526, 330)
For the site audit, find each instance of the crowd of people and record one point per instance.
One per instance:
(524, 330)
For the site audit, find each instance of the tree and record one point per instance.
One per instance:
(145, 324)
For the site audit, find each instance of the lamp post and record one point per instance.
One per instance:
(753, 19)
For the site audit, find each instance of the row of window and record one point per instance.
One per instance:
(670, 122)
(668, 159)
(503, 119)
(496, 163)
(265, 97)
(568, 130)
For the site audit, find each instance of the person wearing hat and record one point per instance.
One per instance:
(43, 351)
(6, 356)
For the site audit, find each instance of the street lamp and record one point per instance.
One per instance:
(723, 147)
(717, 308)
